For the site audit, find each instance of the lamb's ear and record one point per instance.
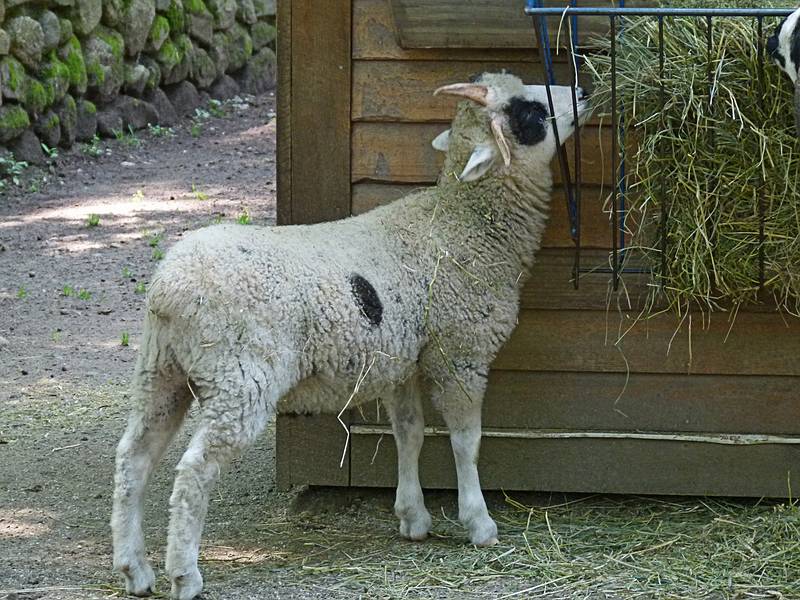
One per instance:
(482, 159)
(797, 104)
(442, 141)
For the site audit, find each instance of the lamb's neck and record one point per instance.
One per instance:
(503, 214)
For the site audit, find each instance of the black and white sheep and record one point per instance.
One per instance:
(411, 300)
(783, 48)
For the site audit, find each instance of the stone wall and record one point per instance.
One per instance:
(70, 69)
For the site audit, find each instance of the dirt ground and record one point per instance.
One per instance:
(71, 294)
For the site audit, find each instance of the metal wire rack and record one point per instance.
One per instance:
(573, 182)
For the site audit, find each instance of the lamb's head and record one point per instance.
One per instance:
(783, 46)
(507, 125)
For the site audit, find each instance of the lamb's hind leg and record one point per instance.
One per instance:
(160, 403)
(405, 412)
(235, 412)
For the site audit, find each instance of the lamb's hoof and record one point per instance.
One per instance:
(187, 586)
(416, 529)
(140, 580)
(483, 533)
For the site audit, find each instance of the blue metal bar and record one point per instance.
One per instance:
(596, 11)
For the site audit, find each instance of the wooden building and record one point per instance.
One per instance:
(697, 408)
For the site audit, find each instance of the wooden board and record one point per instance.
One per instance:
(480, 24)
(584, 341)
(595, 230)
(309, 448)
(639, 402)
(284, 110)
(625, 466)
(402, 153)
(402, 91)
(375, 37)
(320, 116)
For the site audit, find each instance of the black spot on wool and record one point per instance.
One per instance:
(527, 120)
(367, 299)
(795, 51)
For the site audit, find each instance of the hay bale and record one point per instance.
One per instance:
(723, 159)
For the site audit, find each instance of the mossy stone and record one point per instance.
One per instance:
(202, 70)
(67, 113)
(262, 34)
(66, 31)
(224, 12)
(56, 77)
(159, 32)
(265, 8)
(13, 78)
(86, 124)
(176, 16)
(246, 12)
(36, 98)
(48, 129)
(195, 6)
(112, 12)
(13, 121)
(27, 40)
(103, 56)
(51, 27)
(182, 51)
(85, 16)
(239, 47)
(137, 19)
(154, 70)
(71, 55)
(5, 43)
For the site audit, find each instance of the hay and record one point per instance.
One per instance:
(721, 159)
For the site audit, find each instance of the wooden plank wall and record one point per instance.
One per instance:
(575, 363)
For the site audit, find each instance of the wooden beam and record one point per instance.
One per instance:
(620, 466)
(320, 113)
(284, 133)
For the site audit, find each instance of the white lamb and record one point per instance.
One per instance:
(411, 300)
(784, 48)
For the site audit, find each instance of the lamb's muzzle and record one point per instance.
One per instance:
(414, 305)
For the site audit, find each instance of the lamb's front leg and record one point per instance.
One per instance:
(405, 412)
(463, 418)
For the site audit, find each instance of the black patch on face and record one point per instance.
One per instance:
(527, 120)
(772, 45)
(367, 299)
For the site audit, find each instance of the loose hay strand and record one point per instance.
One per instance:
(718, 153)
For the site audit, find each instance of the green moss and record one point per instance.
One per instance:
(114, 41)
(73, 59)
(195, 6)
(89, 107)
(95, 73)
(14, 117)
(169, 55)
(16, 75)
(160, 29)
(53, 122)
(176, 17)
(36, 98)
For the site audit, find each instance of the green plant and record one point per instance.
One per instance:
(67, 291)
(56, 336)
(196, 129)
(85, 295)
(155, 239)
(140, 288)
(52, 153)
(244, 218)
(126, 338)
(93, 220)
(22, 293)
(198, 194)
(159, 131)
(128, 138)
(158, 254)
(12, 168)
(137, 195)
(126, 273)
(92, 147)
(216, 108)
